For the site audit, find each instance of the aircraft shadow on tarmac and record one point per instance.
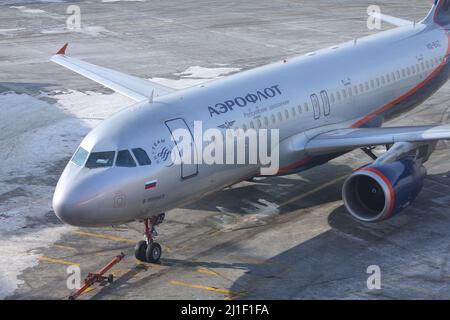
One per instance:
(312, 189)
(412, 250)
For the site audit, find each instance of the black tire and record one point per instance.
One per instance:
(111, 278)
(153, 252)
(139, 250)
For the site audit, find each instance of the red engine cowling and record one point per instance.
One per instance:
(375, 193)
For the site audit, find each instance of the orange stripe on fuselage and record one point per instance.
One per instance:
(384, 108)
(406, 95)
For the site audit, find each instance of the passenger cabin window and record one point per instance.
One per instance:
(124, 159)
(100, 159)
(141, 157)
(80, 157)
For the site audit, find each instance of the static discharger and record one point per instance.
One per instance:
(93, 278)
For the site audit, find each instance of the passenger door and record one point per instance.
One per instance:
(188, 170)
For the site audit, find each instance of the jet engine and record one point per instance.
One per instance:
(384, 188)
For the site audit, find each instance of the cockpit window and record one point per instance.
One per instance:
(141, 157)
(124, 159)
(80, 157)
(100, 159)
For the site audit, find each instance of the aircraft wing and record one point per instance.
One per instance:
(349, 139)
(390, 19)
(135, 88)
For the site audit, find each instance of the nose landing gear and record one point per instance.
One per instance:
(149, 250)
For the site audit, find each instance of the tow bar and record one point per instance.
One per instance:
(98, 277)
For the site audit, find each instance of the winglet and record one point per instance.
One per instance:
(62, 51)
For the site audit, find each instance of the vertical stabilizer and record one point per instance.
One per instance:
(439, 13)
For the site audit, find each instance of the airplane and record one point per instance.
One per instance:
(324, 104)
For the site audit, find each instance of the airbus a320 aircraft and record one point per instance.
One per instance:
(324, 104)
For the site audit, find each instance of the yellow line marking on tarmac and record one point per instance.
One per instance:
(88, 290)
(313, 191)
(234, 296)
(207, 271)
(59, 261)
(119, 272)
(202, 287)
(104, 236)
(64, 247)
(102, 254)
(157, 265)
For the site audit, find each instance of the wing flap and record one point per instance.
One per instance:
(349, 139)
(133, 87)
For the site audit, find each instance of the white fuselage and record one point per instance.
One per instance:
(358, 83)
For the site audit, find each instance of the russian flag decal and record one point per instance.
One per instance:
(151, 184)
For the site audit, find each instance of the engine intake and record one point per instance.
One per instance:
(377, 192)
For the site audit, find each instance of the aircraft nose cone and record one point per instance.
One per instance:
(65, 207)
(71, 206)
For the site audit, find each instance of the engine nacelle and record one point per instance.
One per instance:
(377, 192)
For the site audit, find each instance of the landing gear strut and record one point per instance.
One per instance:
(149, 250)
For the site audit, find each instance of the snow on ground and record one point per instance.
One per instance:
(93, 31)
(16, 2)
(108, 1)
(10, 32)
(37, 136)
(27, 10)
(193, 76)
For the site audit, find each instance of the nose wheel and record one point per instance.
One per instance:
(149, 250)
